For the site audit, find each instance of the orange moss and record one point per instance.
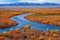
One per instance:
(50, 38)
(41, 38)
(55, 35)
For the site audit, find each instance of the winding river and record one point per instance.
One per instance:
(22, 21)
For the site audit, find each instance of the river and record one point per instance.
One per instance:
(22, 21)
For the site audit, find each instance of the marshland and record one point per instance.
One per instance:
(29, 23)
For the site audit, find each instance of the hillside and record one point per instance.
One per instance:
(30, 4)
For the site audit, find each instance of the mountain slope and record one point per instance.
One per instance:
(30, 4)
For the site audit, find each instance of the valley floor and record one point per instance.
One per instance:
(7, 13)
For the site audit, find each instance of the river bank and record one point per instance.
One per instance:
(28, 33)
(50, 18)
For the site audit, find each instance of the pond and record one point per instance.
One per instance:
(22, 21)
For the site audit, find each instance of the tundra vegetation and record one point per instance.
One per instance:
(28, 33)
(45, 18)
(44, 15)
(7, 13)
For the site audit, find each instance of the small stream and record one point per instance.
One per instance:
(22, 21)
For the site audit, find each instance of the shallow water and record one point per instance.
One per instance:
(22, 21)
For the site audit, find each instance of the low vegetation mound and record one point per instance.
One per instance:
(50, 18)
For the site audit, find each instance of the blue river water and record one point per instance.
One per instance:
(22, 21)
